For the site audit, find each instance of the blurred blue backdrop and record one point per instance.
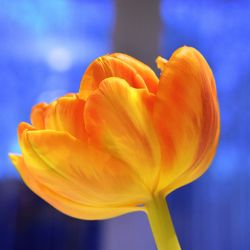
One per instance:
(45, 47)
(219, 209)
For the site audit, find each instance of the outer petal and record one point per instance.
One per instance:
(117, 118)
(72, 169)
(108, 66)
(64, 114)
(37, 115)
(142, 69)
(186, 115)
(23, 126)
(63, 204)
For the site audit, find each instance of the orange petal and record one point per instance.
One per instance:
(37, 115)
(23, 126)
(117, 119)
(64, 114)
(148, 75)
(78, 172)
(186, 115)
(63, 204)
(108, 66)
(161, 62)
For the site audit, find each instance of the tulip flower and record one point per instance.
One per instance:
(125, 141)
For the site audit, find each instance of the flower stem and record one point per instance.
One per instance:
(161, 224)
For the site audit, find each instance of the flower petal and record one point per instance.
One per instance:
(105, 67)
(78, 172)
(148, 75)
(23, 126)
(37, 115)
(63, 204)
(186, 115)
(117, 119)
(64, 114)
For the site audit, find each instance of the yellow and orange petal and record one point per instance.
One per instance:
(75, 170)
(37, 115)
(63, 114)
(124, 137)
(137, 74)
(148, 75)
(117, 118)
(67, 205)
(186, 116)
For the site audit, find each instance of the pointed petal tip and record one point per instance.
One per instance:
(160, 62)
(14, 158)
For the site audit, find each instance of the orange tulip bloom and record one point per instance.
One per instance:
(125, 139)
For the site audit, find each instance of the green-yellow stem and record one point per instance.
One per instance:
(161, 224)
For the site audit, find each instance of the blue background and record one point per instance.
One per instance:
(45, 47)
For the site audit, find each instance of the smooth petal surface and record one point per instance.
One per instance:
(117, 119)
(64, 114)
(63, 204)
(38, 114)
(116, 66)
(142, 69)
(74, 170)
(186, 116)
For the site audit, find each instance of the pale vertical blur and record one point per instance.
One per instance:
(137, 33)
(137, 29)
